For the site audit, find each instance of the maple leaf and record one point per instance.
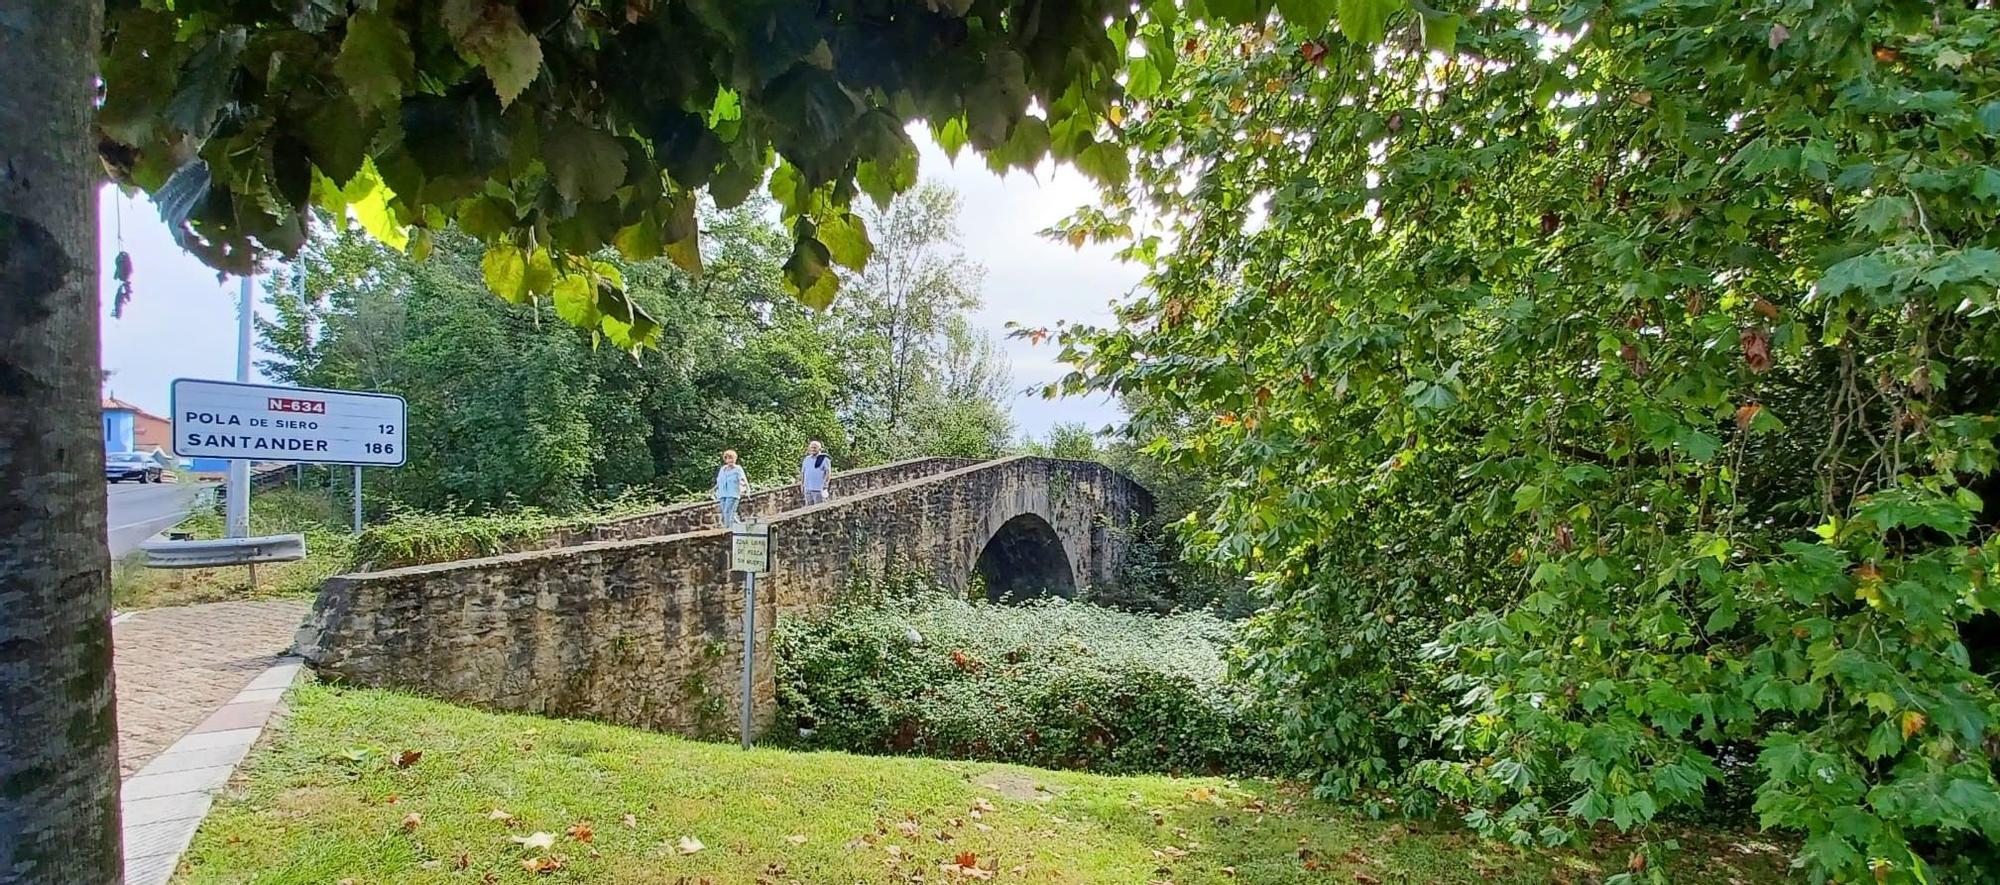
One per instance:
(689, 845)
(497, 814)
(631, 821)
(407, 758)
(412, 820)
(1913, 721)
(1779, 34)
(580, 832)
(536, 840)
(796, 838)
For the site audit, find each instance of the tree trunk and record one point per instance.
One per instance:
(59, 736)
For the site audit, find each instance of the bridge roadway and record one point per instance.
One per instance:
(612, 623)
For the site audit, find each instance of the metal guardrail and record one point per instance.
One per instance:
(224, 551)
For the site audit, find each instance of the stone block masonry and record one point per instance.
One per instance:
(648, 632)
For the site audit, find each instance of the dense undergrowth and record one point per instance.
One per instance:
(1056, 683)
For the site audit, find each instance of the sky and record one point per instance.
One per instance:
(181, 322)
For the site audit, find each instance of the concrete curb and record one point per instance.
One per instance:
(164, 802)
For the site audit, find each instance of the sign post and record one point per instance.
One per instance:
(749, 553)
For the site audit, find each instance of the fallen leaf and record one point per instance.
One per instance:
(497, 814)
(893, 850)
(542, 865)
(462, 861)
(796, 838)
(631, 821)
(536, 840)
(408, 758)
(689, 845)
(909, 828)
(580, 832)
(412, 820)
(980, 804)
(1366, 879)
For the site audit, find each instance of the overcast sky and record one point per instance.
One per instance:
(182, 320)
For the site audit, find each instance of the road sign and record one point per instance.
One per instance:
(750, 548)
(221, 419)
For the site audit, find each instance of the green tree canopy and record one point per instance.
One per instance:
(1604, 396)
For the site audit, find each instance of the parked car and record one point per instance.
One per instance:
(121, 466)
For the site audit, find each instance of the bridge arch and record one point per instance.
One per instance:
(1025, 559)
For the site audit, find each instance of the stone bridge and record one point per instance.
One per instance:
(639, 621)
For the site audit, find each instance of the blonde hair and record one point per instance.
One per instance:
(728, 453)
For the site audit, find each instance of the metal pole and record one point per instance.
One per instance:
(237, 510)
(749, 649)
(357, 499)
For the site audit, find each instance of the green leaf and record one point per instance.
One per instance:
(1365, 21)
(1106, 162)
(1882, 213)
(375, 61)
(337, 136)
(368, 196)
(487, 218)
(640, 241)
(1441, 30)
(1986, 184)
(585, 163)
(1310, 14)
(951, 136)
(1237, 12)
(204, 83)
(506, 272)
(846, 240)
(575, 297)
(1989, 117)
(809, 273)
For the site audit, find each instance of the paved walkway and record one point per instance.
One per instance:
(195, 686)
(175, 666)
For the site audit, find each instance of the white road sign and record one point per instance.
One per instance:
(260, 422)
(750, 548)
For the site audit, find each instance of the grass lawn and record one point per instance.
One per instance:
(329, 551)
(341, 795)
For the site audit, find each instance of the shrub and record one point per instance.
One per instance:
(1056, 684)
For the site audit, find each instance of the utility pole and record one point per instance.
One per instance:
(237, 509)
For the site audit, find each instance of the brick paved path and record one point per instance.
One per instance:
(175, 666)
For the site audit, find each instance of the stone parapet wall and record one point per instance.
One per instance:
(648, 632)
(645, 633)
(770, 502)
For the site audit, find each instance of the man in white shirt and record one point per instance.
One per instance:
(815, 471)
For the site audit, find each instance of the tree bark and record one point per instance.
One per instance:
(59, 736)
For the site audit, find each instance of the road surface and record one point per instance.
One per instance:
(135, 512)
